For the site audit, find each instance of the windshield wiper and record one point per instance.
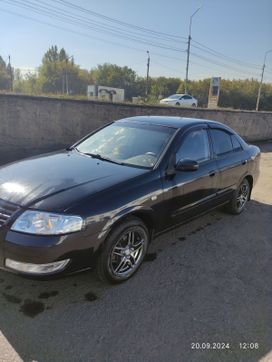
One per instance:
(71, 148)
(102, 158)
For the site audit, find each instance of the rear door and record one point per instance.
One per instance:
(187, 101)
(232, 161)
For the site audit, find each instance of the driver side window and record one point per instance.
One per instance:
(195, 146)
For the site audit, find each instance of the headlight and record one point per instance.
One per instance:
(44, 223)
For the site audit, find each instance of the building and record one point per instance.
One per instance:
(103, 93)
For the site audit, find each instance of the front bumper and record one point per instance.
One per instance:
(36, 269)
(41, 256)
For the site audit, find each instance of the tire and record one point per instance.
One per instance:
(177, 104)
(193, 105)
(240, 198)
(123, 252)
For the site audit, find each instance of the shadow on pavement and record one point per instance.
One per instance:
(209, 282)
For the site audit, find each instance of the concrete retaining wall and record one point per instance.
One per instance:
(31, 125)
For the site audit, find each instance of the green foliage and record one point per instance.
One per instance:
(163, 87)
(29, 84)
(198, 89)
(112, 75)
(5, 81)
(58, 72)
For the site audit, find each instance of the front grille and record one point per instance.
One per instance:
(7, 209)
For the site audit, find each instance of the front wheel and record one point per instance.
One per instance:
(124, 251)
(177, 104)
(240, 198)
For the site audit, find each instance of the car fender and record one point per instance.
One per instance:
(143, 212)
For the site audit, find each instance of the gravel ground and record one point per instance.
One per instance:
(206, 282)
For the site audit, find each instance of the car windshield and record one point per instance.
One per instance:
(175, 96)
(128, 143)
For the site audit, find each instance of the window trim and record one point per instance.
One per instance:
(221, 155)
(183, 136)
(236, 149)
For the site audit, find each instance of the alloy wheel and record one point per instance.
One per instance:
(127, 253)
(242, 196)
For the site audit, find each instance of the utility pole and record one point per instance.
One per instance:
(66, 74)
(10, 74)
(147, 74)
(261, 82)
(188, 51)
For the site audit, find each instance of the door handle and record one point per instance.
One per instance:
(212, 173)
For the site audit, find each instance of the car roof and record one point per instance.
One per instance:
(174, 122)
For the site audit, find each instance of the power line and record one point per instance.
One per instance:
(166, 66)
(63, 15)
(86, 35)
(223, 56)
(226, 66)
(150, 31)
(160, 36)
(71, 19)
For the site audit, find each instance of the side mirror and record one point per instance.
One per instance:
(187, 165)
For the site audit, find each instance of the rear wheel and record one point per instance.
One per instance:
(124, 251)
(193, 105)
(240, 198)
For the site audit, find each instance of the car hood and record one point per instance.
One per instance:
(168, 100)
(54, 181)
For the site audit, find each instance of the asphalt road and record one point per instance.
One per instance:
(206, 282)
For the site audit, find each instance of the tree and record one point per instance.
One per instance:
(112, 75)
(28, 84)
(163, 86)
(59, 74)
(5, 75)
(198, 89)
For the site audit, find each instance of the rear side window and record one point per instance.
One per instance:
(236, 144)
(222, 142)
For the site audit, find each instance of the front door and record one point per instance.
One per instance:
(189, 193)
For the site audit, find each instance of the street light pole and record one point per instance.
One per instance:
(261, 82)
(10, 74)
(66, 74)
(147, 74)
(188, 51)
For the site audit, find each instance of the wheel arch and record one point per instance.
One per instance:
(145, 215)
(250, 180)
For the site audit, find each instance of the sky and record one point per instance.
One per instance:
(229, 37)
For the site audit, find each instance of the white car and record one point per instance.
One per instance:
(183, 100)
